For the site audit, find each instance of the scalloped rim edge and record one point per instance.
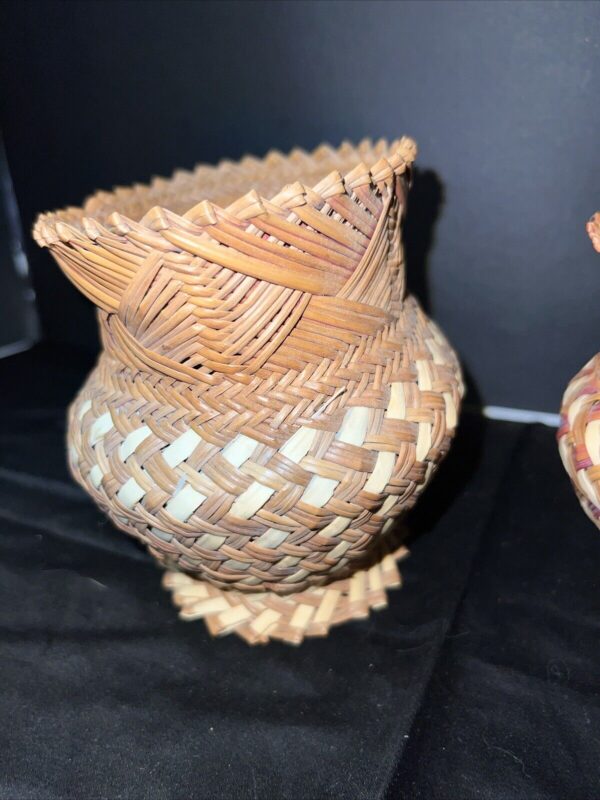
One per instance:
(52, 227)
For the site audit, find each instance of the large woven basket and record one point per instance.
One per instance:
(579, 431)
(268, 399)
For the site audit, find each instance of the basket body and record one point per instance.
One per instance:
(579, 436)
(268, 399)
(579, 431)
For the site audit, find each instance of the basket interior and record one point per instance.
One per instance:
(226, 182)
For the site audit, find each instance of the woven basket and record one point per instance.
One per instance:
(268, 398)
(579, 431)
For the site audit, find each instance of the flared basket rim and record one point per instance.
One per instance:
(103, 211)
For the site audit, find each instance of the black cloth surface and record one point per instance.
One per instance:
(480, 680)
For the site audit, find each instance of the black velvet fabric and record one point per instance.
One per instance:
(480, 680)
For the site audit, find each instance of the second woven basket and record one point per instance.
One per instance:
(579, 431)
(268, 398)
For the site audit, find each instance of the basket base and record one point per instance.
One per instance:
(258, 618)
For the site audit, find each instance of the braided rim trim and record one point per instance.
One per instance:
(88, 222)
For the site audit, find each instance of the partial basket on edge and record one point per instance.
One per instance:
(268, 398)
(579, 431)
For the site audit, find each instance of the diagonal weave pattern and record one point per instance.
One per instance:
(268, 399)
(260, 617)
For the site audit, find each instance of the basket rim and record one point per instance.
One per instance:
(388, 161)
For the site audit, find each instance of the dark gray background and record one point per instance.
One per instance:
(503, 98)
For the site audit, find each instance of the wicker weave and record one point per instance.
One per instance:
(579, 431)
(258, 617)
(268, 398)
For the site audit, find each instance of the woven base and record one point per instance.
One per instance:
(260, 617)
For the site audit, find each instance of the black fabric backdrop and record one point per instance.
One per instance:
(479, 681)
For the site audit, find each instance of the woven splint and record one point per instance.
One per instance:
(579, 431)
(268, 399)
